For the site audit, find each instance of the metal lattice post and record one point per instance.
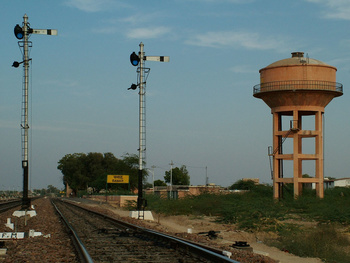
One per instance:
(24, 124)
(142, 128)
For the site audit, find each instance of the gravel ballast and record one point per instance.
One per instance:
(54, 245)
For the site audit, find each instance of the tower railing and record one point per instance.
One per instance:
(298, 85)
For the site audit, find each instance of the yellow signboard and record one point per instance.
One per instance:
(117, 179)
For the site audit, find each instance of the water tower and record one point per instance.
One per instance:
(297, 90)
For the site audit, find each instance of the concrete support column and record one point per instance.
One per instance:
(297, 150)
(276, 162)
(319, 154)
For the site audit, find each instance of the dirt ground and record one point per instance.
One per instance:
(227, 234)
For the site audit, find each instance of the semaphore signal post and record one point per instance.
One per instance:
(138, 60)
(22, 33)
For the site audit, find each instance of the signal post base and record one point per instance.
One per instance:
(144, 215)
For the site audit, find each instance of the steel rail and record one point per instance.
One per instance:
(199, 249)
(212, 254)
(83, 254)
(9, 205)
(5, 206)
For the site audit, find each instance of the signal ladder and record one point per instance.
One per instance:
(142, 119)
(293, 128)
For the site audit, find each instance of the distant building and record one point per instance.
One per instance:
(331, 183)
(180, 191)
(328, 183)
(342, 182)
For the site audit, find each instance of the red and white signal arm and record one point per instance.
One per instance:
(157, 58)
(52, 32)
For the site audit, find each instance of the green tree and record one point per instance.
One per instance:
(180, 176)
(41, 192)
(90, 170)
(159, 183)
(72, 168)
(243, 185)
(147, 185)
(52, 189)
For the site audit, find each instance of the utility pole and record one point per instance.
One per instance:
(23, 33)
(171, 180)
(206, 176)
(153, 166)
(138, 60)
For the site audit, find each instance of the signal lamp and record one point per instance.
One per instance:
(15, 64)
(18, 32)
(133, 86)
(134, 59)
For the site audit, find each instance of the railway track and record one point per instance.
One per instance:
(4, 206)
(100, 238)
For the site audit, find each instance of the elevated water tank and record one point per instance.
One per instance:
(297, 86)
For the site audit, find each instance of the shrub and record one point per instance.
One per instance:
(243, 185)
(256, 210)
(321, 242)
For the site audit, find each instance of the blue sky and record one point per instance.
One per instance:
(200, 106)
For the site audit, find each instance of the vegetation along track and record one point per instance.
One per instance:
(106, 239)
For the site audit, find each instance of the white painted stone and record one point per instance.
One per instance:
(32, 233)
(227, 254)
(261, 253)
(145, 215)
(21, 213)
(9, 224)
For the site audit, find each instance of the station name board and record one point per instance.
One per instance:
(117, 179)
